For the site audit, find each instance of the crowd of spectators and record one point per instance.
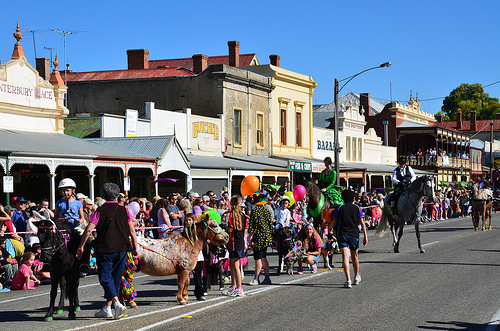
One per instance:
(430, 155)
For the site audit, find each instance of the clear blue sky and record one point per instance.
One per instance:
(434, 46)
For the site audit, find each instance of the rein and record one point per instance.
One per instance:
(149, 249)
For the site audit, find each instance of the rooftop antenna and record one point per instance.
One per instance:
(64, 32)
(34, 44)
(50, 49)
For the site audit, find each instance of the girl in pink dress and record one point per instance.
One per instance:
(24, 278)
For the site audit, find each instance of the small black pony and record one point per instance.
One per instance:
(63, 265)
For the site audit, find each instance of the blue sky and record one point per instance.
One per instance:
(434, 46)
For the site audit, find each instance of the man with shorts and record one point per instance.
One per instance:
(347, 218)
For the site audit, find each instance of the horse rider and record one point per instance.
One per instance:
(402, 177)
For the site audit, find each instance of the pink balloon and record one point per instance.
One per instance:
(299, 192)
(133, 208)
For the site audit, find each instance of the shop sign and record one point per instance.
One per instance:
(299, 166)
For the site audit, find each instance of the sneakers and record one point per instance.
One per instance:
(314, 268)
(254, 282)
(300, 271)
(105, 312)
(237, 293)
(228, 291)
(266, 281)
(347, 284)
(119, 309)
(357, 280)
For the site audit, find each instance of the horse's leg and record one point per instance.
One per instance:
(394, 228)
(490, 213)
(417, 232)
(53, 294)
(77, 299)
(483, 210)
(400, 234)
(221, 276)
(62, 285)
(71, 279)
(186, 286)
(181, 281)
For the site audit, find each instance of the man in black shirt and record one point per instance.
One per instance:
(349, 216)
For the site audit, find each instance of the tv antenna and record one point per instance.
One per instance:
(34, 44)
(49, 49)
(66, 65)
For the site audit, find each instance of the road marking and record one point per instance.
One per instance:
(48, 293)
(204, 308)
(434, 242)
(495, 321)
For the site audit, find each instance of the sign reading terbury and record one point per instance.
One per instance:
(27, 91)
(299, 166)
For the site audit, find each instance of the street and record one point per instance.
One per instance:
(454, 286)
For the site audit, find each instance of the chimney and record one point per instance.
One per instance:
(439, 118)
(459, 120)
(275, 60)
(43, 67)
(364, 101)
(200, 62)
(234, 53)
(473, 121)
(138, 59)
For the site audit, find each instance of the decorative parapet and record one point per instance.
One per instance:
(412, 112)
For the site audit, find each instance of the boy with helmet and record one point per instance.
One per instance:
(402, 177)
(69, 209)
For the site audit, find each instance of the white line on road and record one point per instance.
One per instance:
(248, 293)
(434, 242)
(48, 293)
(495, 321)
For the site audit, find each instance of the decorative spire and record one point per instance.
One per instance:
(55, 78)
(18, 48)
(417, 97)
(411, 95)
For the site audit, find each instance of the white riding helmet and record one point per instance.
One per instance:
(67, 182)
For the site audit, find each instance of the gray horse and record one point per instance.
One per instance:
(409, 210)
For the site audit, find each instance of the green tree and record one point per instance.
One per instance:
(467, 98)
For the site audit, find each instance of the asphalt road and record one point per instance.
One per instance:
(454, 286)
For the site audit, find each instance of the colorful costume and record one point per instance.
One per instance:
(127, 290)
(327, 180)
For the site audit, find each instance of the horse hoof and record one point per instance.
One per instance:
(396, 251)
(186, 299)
(422, 251)
(182, 302)
(476, 229)
(72, 317)
(78, 309)
(48, 319)
(59, 311)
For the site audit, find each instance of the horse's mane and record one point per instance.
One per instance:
(313, 188)
(416, 185)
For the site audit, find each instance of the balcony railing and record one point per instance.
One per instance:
(437, 161)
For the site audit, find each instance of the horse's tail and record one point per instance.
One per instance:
(382, 224)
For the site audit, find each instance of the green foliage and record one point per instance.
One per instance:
(467, 98)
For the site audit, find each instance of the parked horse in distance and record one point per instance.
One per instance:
(409, 207)
(178, 253)
(63, 265)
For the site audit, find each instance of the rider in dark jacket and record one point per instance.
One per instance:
(402, 177)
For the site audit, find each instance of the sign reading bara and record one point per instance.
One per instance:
(300, 166)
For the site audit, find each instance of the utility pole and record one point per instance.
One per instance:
(491, 150)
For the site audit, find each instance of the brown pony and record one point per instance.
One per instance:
(177, 254)
(482, 204)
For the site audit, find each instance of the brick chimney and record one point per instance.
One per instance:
(473, 121)
(364, 101)
(459, 120)
(200, 62)
(439, 118)
(275, 60)
(138, 59)
(43, 67)
(234, 53)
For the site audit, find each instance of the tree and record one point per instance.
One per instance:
(467, 98)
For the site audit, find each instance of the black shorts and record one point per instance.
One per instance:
(262, 254)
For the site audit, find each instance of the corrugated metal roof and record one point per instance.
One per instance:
(480, 125)
(157, 69)
(81, 127)
(236, 163)
(376, 107)
(245, 60)
(323, 119)
(408, 124)
(47, 143)
(148, 147)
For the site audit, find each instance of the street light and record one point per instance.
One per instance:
(337, 147)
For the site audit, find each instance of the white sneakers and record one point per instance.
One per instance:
(347, 284)
(106, 311)
(357, 280)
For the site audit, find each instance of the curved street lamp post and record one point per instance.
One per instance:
(337, 147)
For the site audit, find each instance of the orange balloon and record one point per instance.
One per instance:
(249, 185)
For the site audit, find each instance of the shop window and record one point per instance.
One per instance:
(283, 127)
(298, 123)
(348, 148)
(237, 126)
(354, 149)
(260, 130)
(360, 149)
